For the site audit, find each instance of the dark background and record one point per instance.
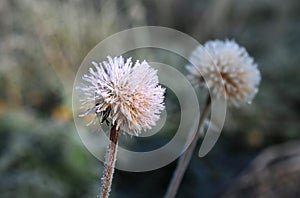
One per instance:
(42, 45)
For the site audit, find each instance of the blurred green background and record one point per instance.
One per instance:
(42, 45)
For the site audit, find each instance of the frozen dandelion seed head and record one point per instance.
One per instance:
(124, 94)
(240, 75)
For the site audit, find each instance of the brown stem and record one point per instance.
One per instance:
(114, 134)
(110, 160)
(185, 158)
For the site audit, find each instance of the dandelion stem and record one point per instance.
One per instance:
(109, 166)
(185, 158)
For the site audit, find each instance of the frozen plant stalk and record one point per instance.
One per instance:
(110, 161)
(125, 96)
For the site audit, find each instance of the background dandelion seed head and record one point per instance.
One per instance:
(240, 76)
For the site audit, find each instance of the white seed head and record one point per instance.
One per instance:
(122, 94)
(240, 76)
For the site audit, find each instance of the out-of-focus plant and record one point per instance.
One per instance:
(238, 85)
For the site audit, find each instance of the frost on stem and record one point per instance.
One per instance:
(109, 165)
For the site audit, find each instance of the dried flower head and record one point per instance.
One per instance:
(240, 76)
(124, 95)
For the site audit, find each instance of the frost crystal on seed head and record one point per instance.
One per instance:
(122, 94)
(240, 76)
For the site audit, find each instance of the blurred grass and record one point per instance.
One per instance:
(42, 45)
